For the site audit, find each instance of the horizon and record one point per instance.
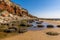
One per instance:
(41, 8)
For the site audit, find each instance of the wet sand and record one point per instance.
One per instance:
(52, 21)
(36, 35)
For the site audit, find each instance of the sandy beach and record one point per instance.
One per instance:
(36, 35)
(52, 21)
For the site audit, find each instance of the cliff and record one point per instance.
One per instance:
(11, 11)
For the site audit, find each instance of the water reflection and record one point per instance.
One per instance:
(34, 27)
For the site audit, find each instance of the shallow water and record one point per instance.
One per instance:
(34, 27)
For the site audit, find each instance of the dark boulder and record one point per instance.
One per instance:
(52, 33)
(58, 26)
(41, 26)
(50, 26)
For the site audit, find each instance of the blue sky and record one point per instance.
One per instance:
(41, 8)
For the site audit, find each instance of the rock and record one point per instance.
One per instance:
(29, 25)
(41, 26)
(58, 26)
(14, 28)
(50, 26)
(7, 31)
(52, 33)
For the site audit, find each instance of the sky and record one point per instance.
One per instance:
(41, 8)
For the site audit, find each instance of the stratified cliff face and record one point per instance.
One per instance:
(10, 11)
(12, 8)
